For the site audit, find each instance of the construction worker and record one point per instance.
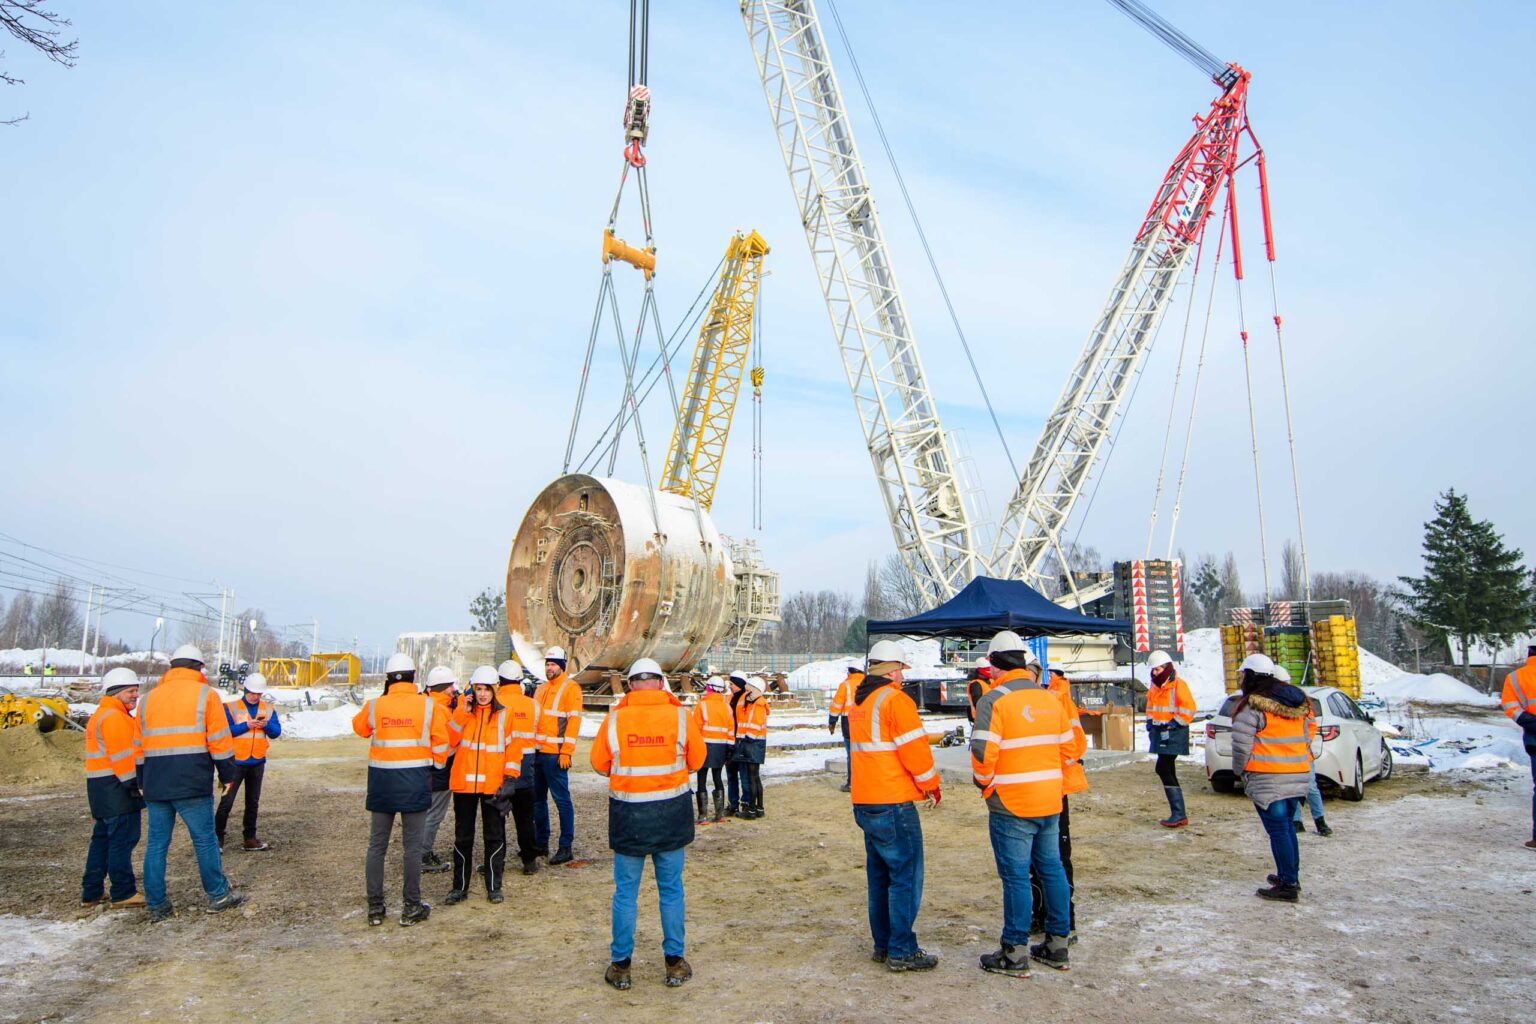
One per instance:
(1519, 699)
(751, 748)
(892, 769)
(1074, 780)
(523, 716)
(442, 687)
(1314, 795)
(1272, 757)
(28, 670)
(487, 762)
(113, 757)
(186, 741)
(1019, 753)
(735, 771)
(718, 727)
(1170, 709)
(408, 736)
(980, 683)
(837, 712)
(648, 748)
(559, 725)
(254, 725)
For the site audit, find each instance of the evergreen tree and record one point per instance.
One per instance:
(486, 608)
(1205, 584)
(1474, 589)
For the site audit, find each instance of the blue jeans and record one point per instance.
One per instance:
(626, 891)
(1277, 819)
(848, 754)
(197, 813)
(1314, 802)
(893, 869)
(1018, 844)
(111, 853)
(551, 779)
(1531, 753)
(735, 775)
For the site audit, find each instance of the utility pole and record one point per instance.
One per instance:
(224, 596)
(85, 628)
(314, 639)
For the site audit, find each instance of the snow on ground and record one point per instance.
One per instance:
(39, 951)
(924, 656)
(319, 725)
(1433, 689)
(1201, 668)
(1455, 743)
(65, 659)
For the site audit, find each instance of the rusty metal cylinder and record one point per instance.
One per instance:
(594, 572)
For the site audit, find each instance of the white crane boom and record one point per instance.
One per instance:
(908, 447)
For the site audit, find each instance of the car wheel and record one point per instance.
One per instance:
(1223, 783)
(1355, 793)
(1386, 762)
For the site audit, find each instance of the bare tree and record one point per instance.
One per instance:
(874, 594)
(58, 617)
(903, 594)
(41, 29)
(1292, 587)
(20, 626)
(1231, 584)
(814, 621)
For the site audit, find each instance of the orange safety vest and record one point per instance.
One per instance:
(891, 761)
(1519, 696)
(752, 719)
(713, 716)
(523, 714)
(559, 724)
(974, 699)
(400, 728)
(1283, 746)
(252, 745)
(184, 731)
(649, 748)
(488, 751)
(112, 743)
(1171, 702)
(1074, 779)
(1020, 747)
(842, 700)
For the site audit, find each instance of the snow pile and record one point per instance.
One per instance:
(319, 725)
(819, 675)
(1201, 668)
(1450, 743)
(924, 656)
(67, 659)
(1435, 689)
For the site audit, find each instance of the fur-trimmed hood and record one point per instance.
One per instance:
(1277, 703)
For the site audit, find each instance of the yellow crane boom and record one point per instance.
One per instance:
(719, 361)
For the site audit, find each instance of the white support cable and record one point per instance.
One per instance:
(1173, 403)
(1290, 439)
(1253, 429)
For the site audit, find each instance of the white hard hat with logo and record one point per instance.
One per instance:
(555, 654)
(646, 667)
(399, 662)
(117, 678)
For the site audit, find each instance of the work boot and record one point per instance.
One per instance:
(1275, 880)
(1052, 952)
(494, 896)
(733, 811)
(719, 807)
(845, 788)
(256, 846)
(703, 801)
(129, 903)
(617, 975)
(1531, 845)
(1176, 816)
(164, 912)
(1007, 960)
(432, 863)
(1280, 892)
(232, 898)
(1322, 827)
(376, 914)
(878, 955)
(92, 904)
(678, 971)
(1299, 828)
(531, 867)
(455, 896)
(415, 913)
(562, 856)
(919, 961)
(541, 851)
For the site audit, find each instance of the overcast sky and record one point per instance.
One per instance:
(296, 295)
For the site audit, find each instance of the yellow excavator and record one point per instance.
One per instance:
(47, 714)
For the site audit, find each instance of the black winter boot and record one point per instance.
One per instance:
(1052, 952)
(1280, 893)
(1009, 960)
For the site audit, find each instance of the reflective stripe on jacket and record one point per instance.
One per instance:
(185, 737)
(1519, 696)
(890, 760)
(842, 700)
(752, 719)
(1074, 779)
(975, 690)
(1282, 739)
(559, 722)
(112, 759)
(714, 719)
(447, 703)
(523, 719)
(251, 744)
(486, 751)
(408, 736)
(1020, 747)
(1171, 702)
(649, 749)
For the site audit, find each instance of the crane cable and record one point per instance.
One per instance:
(1253, 428)
(1173, 398)
(757, 374)
(922, 236)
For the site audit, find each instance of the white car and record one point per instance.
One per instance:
(1348, 751)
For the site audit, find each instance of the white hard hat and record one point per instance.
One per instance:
(511, 670)
(255, 683)
(117, 678)
(399, 663)
(646, 666)
(188, 652)
(888, 650)
(855, 666)
(1005, 642)
(1157, 659)
(714, 684)
(1281, 674)
(442, 675)
(756, 683)
(1259, 663)
(484, 676)
(555, 654)
(740, 677)
(981, 662)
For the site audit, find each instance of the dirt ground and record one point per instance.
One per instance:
(1419, 909)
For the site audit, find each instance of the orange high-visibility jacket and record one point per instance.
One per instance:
(559, 724)
(752, 719)
(714, 719)
(185, 736)
(648, 748)
(842, 700)
(1519, 696)
(1171, 702)
(1283, 744)
(976, 689)
(409, 737)
(487, 752)
(1074, 779)
(1020, 747)
(891, 761)
(252, 745)
(112, 759)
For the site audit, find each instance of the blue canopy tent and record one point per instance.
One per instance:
(988, 605)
